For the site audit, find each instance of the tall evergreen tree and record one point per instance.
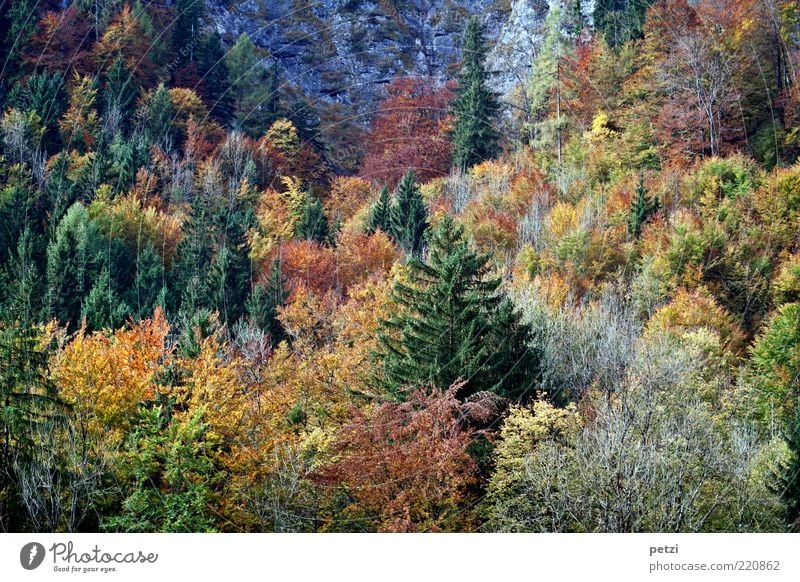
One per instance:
(186, 31)
(620, 20)
(642, 208)
(74, 259)
(546, 119)
(453, 323)
(474, 137)
(380, 217)
(214, 71)
(263, 304)
(313, 224)
(409, 216)
(254, 88)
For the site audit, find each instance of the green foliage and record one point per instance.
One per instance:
(313, 224)
(170, 476)
(775, 366)
(74, 261)
(642, 208)
(159, 116)
(186, 31)
(262, 306)
(475, 107)
(620, 20)
(254, 88)
(453, 324)
(409, 216)
(380, 215)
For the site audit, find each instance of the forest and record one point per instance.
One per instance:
(571, 309)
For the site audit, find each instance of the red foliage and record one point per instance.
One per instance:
(62, 43)
(410, 131)
(406, 465)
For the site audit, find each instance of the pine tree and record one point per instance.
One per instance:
(254, 88)
(380, 217)
(186, 32)
(546, 120)
(160, 118)
(474, 137)
(620, 20)
(313, 224)
(642, 208)
(263, 304)
(214, 70)
(102, 308)
(29, 406)
(23, 292)
(453, 323)
(120, 89)
(409, 216)
(74, 259)
(149, 285)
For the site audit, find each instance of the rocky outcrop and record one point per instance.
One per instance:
(344, 51)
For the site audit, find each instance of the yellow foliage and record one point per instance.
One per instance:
(106, 377)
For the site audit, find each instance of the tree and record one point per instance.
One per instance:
(454, 325)
(28, 400)
(547, 87)
(620, 20)
(313, 224)
(381, 213)
(265, 300)
(409, 216)
(214, 69)
(74, 259)
(253, 86)
(642, 208)
(475, 106)
(186, 33)
(406, 466)
(410, 132)
(168, 475)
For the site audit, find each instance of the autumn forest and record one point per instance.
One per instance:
(228, 304)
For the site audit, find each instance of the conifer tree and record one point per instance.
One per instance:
(380, 217)
(409, 216)
(620, 20)
(102, 308)
(453, 323)
(186, 32)
(474, 137)
(214, 70)
(263, 304)
(642, 208)
(254, 88)
(313, 224)
(74, 259)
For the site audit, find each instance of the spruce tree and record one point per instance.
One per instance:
(453, 324)
(642, 208)
(409, 216)
(313, 224)
(214, 70)
(186, 33)
(474, 137)
(263, 304)
(74, 259)
(254, 88)
(380, 217)
(620, 20)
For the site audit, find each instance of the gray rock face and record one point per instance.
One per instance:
(344, 51)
